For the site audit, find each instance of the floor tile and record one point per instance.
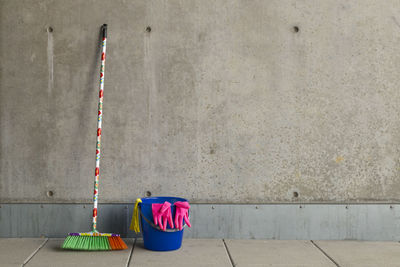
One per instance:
(194, 252)
(362, 253)
(15, 251)
(276, 253)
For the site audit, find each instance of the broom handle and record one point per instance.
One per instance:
(99, 119)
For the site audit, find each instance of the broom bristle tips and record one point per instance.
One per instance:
(117, 243)
(79, 242)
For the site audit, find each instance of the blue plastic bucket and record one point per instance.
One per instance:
(153, 238)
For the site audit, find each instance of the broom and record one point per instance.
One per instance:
(94, 240)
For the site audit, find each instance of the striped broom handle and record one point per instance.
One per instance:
(99, 119)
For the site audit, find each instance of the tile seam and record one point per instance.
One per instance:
(228, 252)
(326, 254)
(35, 252)
(128, 262)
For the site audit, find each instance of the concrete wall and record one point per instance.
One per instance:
(221, 102)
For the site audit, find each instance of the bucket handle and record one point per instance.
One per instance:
(156, 226)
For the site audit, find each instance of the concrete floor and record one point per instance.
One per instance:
(206, 252)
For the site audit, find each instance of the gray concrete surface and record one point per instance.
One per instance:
(207, 252)
(276, 253)
(57, 220)
(302, 221)
(377, 222)
(16, 251)
(222, 102)
(194, 252)
(355, 253)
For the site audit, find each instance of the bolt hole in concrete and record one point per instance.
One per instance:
(50, 29)
(148, 194)
(148, 29)
(50, 193)
(295, 194)
(296, 29)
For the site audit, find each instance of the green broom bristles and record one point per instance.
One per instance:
(77, 241)
(86, 243)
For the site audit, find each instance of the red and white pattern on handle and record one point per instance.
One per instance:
(98, 140)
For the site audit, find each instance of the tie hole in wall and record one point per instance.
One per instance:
(148, 194)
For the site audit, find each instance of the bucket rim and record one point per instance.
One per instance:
(161, 199)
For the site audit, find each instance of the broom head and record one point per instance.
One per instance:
(94, 241)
